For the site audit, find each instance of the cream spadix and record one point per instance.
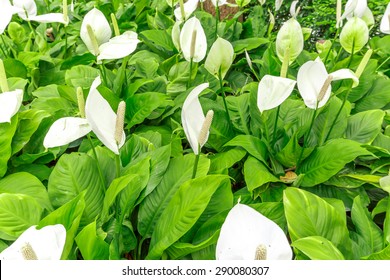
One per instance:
(248, 235)
(46, 243)
(193, 48)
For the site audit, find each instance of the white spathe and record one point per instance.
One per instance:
(311, 78)
(219, 2)
(6, 12)
(66, 130)
(244, 230)
(119, 46)
(272, 91)
(189, 7)
(102, 118)
(385, 22)
(47, 243)
(219, 58)
(192, 117)
(27, 10)
(289, 40)
(10, 103)
(176, 35)
(186, 35)
(100, 27)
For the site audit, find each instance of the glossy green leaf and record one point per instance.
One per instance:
(17, 213)
(92, 246)
(364, 127)
(81, 76)
(27, 184)
(318, 248)
(322, 164)
(7, 131)
(73, 174)
(253, 145)
(256, 174)
(182, 212)
(179, 171)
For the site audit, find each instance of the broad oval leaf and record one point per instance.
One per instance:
(7, 131)
(365, 126)
(318, 248)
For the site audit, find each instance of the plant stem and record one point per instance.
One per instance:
(190, 76)
(196, 163)
(103, 73)
(97, 161)
(275, 125)
(223, 96)
(306, 137)
(118, 165)
(331, 47)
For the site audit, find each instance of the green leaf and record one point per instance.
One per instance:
(256, 174)
(18, 212)
(81, 76)
(15, 68)
(69, 215)
(322, 164)
(253, 145)
(158, 41)
(27, 184)
(178, 250)
(7, 131)
(29, 122)
(223, 160)
(239, 109)
(179, 171)
(182, 212)
(140, 106)
(73, 174)
(382, 255)
(318, 248)
(365, 126)
(377, 97)
(248, 44)
(91, 245)
(309, 215)
(365, 226)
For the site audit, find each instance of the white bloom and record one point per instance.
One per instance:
(6, 12)
(312, 76)
(278, 4)
(293, 9)
(27, 10)
(176, 35)
(289, 40)
(385, 22)
(220, 58)
(46, 243)
(219, 2)
(193, 40)
(189, 7)
(106, 47)
(102, 118)
(192, 117)
(246, 234)
(10, 103)
(273, 91)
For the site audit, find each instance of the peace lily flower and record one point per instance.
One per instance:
(95, 32)
(354, 35)
(218, 2)
(176, 35)
(385, 22)
(289, 40)
(273, 91)
(248, 235)
(195, 124)
(46, 243)
(193, 40)
(220, 58)
(357, 8)
(278, 4)
(10, 101)
(189, 7)
(294, 11)
(100, 118)
(27, 10)
(311, 78)
(6, 12)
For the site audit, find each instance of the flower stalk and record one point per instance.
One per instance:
(3, 78)
(81, 102)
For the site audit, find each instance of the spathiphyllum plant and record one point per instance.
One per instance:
(46, 243)
(141, 151)
(248, 235)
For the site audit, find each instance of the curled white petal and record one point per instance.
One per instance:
(47, 243)
(102, 118)
(52, 17)
(345, 74)
(66, 130)
(244, 230)
(220, 58)
(6, 12)
(273, 91)
(119, 46)
(385, 22)
(26, 8)
(192, 117)
(189, 7)
(10, 103)
(193, 25)
(219, 2)
(100, 26)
